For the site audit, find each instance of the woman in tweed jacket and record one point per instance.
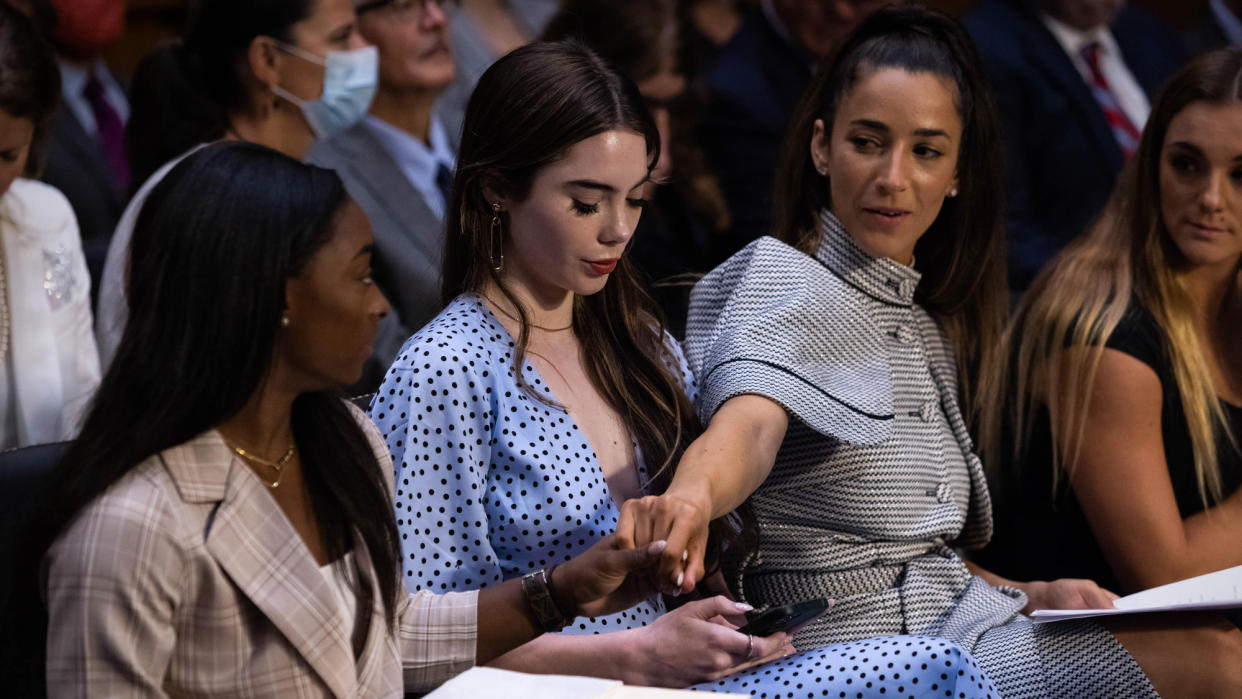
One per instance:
(834, 368)
(223, 526)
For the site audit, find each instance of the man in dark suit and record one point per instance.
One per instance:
(1219, 27)
(753, 85)
(1073, 80)
(86, 155)
(398, 164)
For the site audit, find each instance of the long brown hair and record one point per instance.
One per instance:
(528, 109)
(1078, 300)
(962, 254)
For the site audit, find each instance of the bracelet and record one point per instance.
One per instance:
(539, 597)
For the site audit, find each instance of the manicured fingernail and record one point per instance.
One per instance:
(684, 556)
(680, 577)
(658, 546)
(743, 607)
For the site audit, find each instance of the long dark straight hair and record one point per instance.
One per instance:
(528, 109)
(212, 250)
(962, 254)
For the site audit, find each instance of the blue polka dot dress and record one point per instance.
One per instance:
(493, 483)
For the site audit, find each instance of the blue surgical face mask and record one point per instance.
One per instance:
(349, 84)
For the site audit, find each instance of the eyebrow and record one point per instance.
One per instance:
(881, 126)
(603, 187)
(365, 250)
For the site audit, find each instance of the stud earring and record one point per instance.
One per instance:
(823, 171)
(497, 235)
(284, 321)
(953, 192)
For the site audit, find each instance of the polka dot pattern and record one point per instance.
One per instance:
(492, 483)
(897, 667)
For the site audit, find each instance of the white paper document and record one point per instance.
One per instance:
(1219, 590)
(491, 683)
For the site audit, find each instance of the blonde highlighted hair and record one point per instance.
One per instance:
(1058, 333)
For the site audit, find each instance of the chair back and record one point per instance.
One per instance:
(22, 651)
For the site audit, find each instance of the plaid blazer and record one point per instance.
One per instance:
(186, 579)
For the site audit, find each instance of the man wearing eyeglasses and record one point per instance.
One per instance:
(398, 162)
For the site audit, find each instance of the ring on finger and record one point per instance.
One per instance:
(750, 644)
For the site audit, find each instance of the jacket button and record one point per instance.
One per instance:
(928, 412)
(944, 492)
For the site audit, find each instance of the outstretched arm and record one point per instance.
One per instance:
(719, 470)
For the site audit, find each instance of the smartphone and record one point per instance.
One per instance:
(790, 616)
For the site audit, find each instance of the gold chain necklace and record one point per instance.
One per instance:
(278, 465)
(513, 317)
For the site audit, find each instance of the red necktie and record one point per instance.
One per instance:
(110, 131)
(1123, 129)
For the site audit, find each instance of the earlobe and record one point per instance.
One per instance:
(819, 148)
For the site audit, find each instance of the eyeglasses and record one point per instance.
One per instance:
(403, 10)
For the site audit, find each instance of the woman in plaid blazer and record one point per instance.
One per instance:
(223, 526)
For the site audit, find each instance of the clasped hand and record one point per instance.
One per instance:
(682, 521)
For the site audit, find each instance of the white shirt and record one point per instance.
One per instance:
(418, 161)
(112, 311)
(1229, 23)
(345, 598)
(1130, 95)
(73, 82)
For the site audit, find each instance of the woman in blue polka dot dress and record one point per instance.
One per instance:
(547, 392)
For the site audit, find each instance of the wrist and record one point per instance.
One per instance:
(561, 588)
(696, 491)
(540, 603)
(1034, 591)
(625, 655)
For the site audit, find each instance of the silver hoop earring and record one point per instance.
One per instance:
(497, 233)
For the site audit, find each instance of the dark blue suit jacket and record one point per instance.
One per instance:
(1061, 156)
(753, 86)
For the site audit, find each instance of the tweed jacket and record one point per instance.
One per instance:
(876, 479)
(186, 579)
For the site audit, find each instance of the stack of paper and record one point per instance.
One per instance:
(1219, 590)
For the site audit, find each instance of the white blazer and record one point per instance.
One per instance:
(52, 367)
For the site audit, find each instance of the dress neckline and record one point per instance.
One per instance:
(481, 303)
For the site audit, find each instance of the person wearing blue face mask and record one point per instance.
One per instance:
(349, 83)
(279, 73)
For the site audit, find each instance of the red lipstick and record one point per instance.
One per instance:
(602, 267)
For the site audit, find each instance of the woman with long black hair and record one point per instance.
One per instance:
(223, 523)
